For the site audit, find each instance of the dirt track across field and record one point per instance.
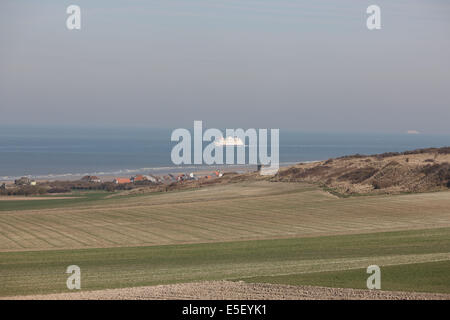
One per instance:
(229, 290)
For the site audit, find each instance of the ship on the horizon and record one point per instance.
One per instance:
(229, 141)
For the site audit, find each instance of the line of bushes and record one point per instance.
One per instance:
(23, 191)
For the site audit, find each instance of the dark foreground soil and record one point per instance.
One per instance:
(228, 290)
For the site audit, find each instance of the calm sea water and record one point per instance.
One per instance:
(71, 152)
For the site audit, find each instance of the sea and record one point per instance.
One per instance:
(66, 153)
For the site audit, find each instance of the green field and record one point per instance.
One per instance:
(257, 231)
(424, 277)
(43, 271)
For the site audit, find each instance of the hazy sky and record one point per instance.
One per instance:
(306, 65)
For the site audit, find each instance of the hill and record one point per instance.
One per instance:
(420, 170)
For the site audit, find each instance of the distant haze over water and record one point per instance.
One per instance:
(66, 153)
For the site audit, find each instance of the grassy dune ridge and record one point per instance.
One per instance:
(422, 170)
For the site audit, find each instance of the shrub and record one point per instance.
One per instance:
(59, 190)
(29, 190)
(359, 175)
(383, 183)
(440, 172)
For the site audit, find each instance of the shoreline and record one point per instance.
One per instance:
(161, 171)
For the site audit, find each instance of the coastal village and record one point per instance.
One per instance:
(169, 178)
(29, 186)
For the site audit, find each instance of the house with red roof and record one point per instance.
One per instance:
(138, 178)
(121, 180)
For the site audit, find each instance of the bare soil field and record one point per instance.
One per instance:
(229, 290)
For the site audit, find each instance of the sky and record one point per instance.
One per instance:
(302, 65)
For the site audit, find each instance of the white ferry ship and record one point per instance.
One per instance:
(229, 141)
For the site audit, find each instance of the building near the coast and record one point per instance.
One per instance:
(121, 180)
